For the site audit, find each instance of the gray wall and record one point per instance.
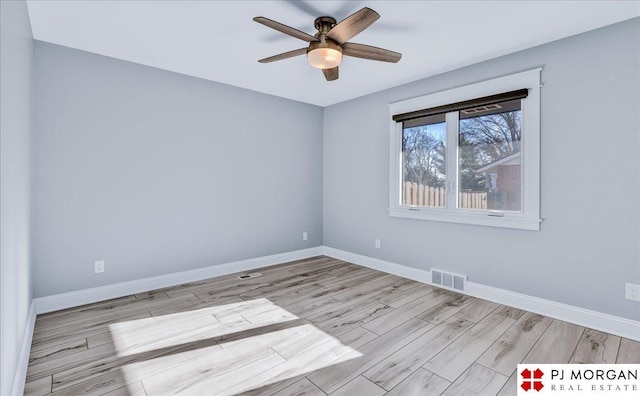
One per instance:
(588, 245)
(156, 172)
(16, 59)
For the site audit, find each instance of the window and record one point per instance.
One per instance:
(470, 154)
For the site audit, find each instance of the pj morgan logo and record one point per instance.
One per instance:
(578, 379)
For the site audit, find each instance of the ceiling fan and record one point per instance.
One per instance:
(329, 44)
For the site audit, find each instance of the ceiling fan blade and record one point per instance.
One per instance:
(284, 55)
(331, 74)
(285, 29)
(352, 25)
(370, 52)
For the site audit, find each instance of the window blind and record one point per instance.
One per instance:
(487, 100)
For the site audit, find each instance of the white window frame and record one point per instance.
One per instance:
(529, 217)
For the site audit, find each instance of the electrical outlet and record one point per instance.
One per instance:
(304, 236)
(98, 266)
(632, 291)
(377, 244)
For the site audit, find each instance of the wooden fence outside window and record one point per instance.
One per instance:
(418, 195)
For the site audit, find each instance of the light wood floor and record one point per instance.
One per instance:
(314, 327)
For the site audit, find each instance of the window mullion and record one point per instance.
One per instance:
(452, 119)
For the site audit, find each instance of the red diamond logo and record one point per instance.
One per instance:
(532, 380)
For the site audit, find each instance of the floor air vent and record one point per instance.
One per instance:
(251, 275)
(448, 279)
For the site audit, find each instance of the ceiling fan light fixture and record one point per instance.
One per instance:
(324, 55)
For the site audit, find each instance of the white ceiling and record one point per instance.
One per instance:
(217, 40)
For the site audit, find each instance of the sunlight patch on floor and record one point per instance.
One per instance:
(227, 348)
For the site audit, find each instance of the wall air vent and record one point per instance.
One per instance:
(448, 280)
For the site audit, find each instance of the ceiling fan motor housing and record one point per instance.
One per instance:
(325, 53)
(324, 23)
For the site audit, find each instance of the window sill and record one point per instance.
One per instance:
(480, 218)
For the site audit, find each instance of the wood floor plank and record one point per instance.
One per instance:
(59, 340)
(404, 296)
(342, 310)
(285, 295)
(98, 325)
(151, 333)
(53, 366)
(312, 306)
(401, 286)
(275, 388)
(405, 312)
(421, 382)
(360, 386)
(94, 307)
(359, 317)
(211, 374)
(511, 348)
(477, 310)
(326, 354)
(101, 385)
(151, 294)
(360, 290)
(39, 387)
(463, 352)
(313, 276)
(336, 268)
(366, 356)
(446, 309)
(354, 339)
(56, 351)
(268, 315)
(348, 273)
(350, 278)
(91, 314)
(629, 352)
(232, 312)
(109, 358)
(326, 292)
(225, 282)
(187, 304)
(510, 312)
(398, 366)
(243, 332)
(477, 380)
(302, 387)
(255, 286)
(302, 340)
(320, 264)
(556, 344)
(357, 337)
(133, 389)
(187, 287)
(596, 347)
(323, 263)
(510, 388)
(291, 341)
(144, 362)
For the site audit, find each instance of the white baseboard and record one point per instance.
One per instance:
(584, 317)
(102, 293)
(595, 320)
(380, 265)
(20, 376)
